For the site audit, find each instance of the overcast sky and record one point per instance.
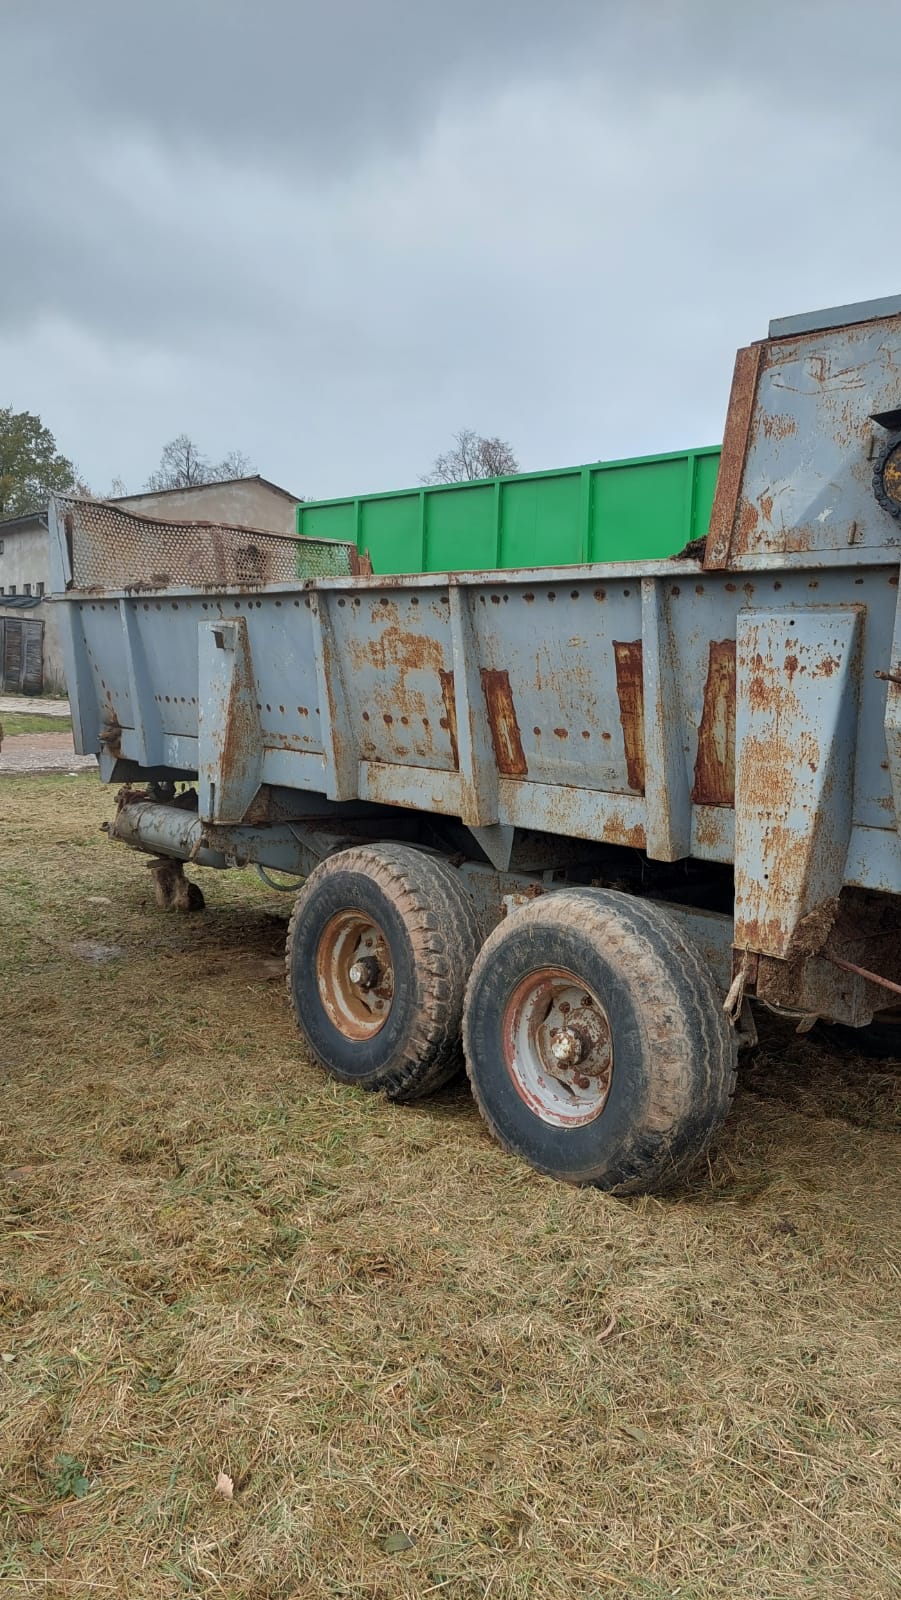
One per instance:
(331, 232)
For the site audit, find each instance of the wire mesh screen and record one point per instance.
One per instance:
(114, 549)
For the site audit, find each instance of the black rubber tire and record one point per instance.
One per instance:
(887, 501)
(674, 1051)
(430, 924)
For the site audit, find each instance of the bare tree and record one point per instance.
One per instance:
(472, 456)
(235, 464)
(182, 466)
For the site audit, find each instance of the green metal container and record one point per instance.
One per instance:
(640, 509)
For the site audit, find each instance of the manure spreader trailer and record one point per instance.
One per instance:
(561, 822)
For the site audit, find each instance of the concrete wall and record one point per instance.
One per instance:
(246, 502)
(24, 560)
(25, 557)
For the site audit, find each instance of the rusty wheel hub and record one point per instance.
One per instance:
(558, 1047)
(354, 974)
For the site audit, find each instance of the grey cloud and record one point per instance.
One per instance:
(332, 233)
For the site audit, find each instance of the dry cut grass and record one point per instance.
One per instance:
(425, 1370)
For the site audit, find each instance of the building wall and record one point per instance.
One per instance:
(25, 557)
(24, 560)
(54, 671)
(246, 502)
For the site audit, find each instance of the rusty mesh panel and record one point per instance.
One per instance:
(115, 549)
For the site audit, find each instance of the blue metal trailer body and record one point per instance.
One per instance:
(739, 705)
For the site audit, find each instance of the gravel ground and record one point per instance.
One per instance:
(42, 752)
(42, 705)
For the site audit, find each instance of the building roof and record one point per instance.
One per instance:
(218, 483)
(20, 602)
(10, 524)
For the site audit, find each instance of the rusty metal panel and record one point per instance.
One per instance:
(506, 739)
(554, 640)
(390, 784)
(137, 662)
(574, 813)
(449, 720)
(630, 694)
(732, 460)
(714, 775)
(668, 803)
(392, 646)
(567, 696)
(806, 467)
(796, 728)
(598, 704)
(471, 736)
(229, 733)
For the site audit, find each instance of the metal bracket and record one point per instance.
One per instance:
(796, 732)
(229, 735)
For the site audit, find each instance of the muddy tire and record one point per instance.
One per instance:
(379, 948)
(596, 1043)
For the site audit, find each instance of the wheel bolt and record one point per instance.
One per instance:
(566, 1048)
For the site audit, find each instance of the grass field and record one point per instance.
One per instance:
(14, 722)
(425, 1370)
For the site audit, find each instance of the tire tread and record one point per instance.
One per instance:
(441, 922)
(692, 1042)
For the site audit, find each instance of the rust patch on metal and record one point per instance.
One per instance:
(747, 524)
(779, 424)
(450, 712)
(394, 646)
(630, 692)
(111, 738)
(714, 782)
(732, 461)
(710, 830)
(360, 563)
(505, 736)
(827, 667)
(631, 835)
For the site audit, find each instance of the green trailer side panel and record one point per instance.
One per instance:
(639, 513)
(461, 528)
(540, 516)
(609, 511)
(390, 528)
(330, 519)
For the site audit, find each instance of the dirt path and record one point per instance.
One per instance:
(42, 752)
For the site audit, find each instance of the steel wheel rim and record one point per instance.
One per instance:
(558, 1047)
(355, 974)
